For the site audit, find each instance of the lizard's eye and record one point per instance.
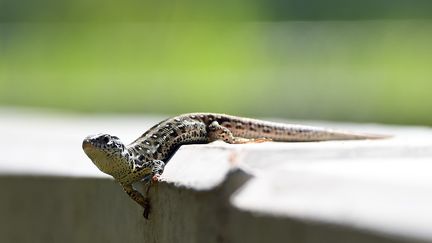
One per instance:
(106, 139)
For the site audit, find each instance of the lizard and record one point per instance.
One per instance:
(145, 158)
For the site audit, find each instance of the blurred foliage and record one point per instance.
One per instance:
(222, 10)
(238, 57)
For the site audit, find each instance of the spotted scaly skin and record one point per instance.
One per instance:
(145, 158)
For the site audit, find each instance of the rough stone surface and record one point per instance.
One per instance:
(354, 191)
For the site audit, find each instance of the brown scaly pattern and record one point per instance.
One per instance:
(145, 158)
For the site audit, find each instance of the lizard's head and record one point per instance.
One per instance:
(107, 152)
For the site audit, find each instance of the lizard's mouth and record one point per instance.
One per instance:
(87, 144)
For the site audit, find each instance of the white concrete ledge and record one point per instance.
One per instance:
(356, 191)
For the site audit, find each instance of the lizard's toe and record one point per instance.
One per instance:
(146, 209)
(156, 178)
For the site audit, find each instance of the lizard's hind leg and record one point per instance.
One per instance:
(218, 132)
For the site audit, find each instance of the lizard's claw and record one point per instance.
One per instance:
(146, 213)
(146, 207)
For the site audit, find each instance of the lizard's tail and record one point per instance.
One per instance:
(309, 134)
(298, 133)
(306, 133)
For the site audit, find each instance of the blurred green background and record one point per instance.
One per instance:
(367, 61)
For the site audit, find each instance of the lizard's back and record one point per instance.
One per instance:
(163, 139)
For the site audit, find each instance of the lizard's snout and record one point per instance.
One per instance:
(86, 144)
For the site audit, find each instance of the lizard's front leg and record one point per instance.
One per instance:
(148, 173)
(218, 132)
(158, 167)
(138, 197)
